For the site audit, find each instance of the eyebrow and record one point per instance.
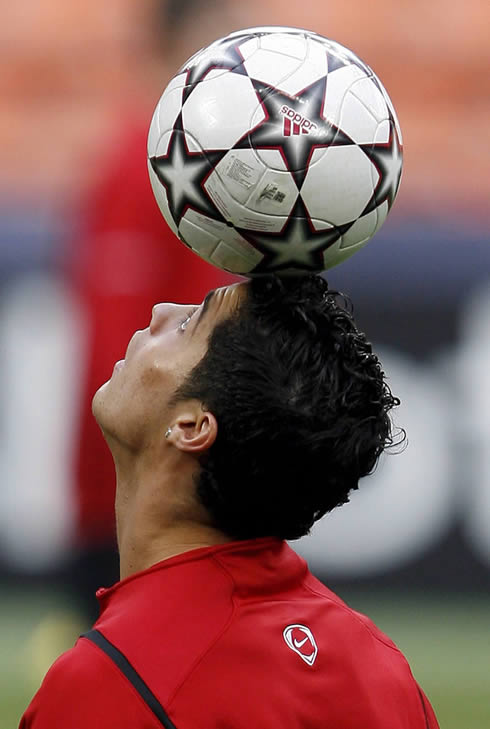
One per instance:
(205, 306)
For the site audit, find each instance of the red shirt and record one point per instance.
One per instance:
(234, 636)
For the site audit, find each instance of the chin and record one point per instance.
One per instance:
(99, 404)
(107, 413)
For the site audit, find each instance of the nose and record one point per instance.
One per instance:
(162, 313)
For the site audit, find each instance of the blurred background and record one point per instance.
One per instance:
(84, 253)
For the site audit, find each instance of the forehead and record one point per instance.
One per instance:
(225, 300)
(217, 305)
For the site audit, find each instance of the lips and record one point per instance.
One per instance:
(132, 342)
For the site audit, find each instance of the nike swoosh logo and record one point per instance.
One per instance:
(299, 643)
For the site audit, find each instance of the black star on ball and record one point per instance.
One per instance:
(297, 247)
(294, 125)
(223, 54)
(183, 174)
(339, 56)
(387, 157)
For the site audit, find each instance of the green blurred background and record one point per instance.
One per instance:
(446, 640)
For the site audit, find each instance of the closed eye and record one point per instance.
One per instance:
(183, 324)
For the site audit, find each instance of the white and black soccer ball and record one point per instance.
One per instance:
(275, 150)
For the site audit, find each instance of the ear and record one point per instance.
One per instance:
(194, 430)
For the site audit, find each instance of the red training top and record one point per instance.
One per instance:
(235, 636)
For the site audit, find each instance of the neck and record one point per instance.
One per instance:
(137, 554)
(157, 515)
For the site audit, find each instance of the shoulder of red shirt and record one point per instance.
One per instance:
(206, 630)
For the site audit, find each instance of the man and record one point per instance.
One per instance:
(233, 426)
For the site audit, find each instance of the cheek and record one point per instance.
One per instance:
(149, 393)
(154, 380)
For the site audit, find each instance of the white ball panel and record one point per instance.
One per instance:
(217, 242)
(382, 211)
(335, 255)
(218, 111)
(201, 241)
(394, 163)
(199, 62)
(317, 53)
(171, 103)
(328, 191)
(261, 30)
(191, 144)
(215, 73)
(389, 103)
(357, 121)
(285, 44)
(320, 224)
(382, 133)
(163, 143)
(315, 66)
(177, 82)
(220, 49)
(232, 259)
(276, 191)
(362, 230)
(369, 94)
(272, 159)
(338, 82)
(239, 215)
(248, 47)
(275, 195)
(347, 56)
(240, 171)
(161, 197)
(398, 128)
(214, 227)
(153, 132)
(310, 71)
(271, 68)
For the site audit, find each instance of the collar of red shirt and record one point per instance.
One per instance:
(254, 564)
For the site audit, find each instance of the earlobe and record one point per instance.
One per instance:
(194, 433)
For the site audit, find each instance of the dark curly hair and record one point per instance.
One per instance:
(302, 409)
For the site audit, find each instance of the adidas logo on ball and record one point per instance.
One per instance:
(294, 123)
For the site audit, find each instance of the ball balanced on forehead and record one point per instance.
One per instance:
(275, 150)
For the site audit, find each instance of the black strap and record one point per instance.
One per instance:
(133, 677)
(424, 708)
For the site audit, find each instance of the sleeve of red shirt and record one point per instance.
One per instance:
(85, 690)
(430, 717)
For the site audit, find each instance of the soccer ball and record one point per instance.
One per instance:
(275, 150)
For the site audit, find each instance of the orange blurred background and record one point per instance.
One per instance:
(71, 71)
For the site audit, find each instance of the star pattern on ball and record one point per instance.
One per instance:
(387, 157)
(296, 145)
(341, 57)
(223, 54)
(183, 174)
(297, 246)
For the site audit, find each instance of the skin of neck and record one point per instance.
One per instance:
(157, 513)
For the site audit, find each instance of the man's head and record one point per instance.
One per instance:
(137, 403)
(271, 389)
